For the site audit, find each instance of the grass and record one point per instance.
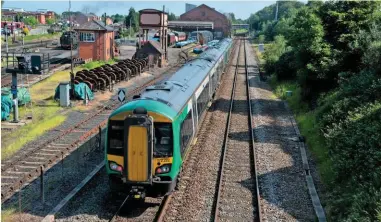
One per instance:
(95, 64)
(239, 31)
(308, 125)
(47, 113)
(6, 214)
(41, 37)
(31, 38)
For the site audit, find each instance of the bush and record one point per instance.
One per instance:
(284, 67)
(49, 21)
(32, 21)
(261, 38)
(273, 52)
(354, 144)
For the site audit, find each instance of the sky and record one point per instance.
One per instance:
(241, 9)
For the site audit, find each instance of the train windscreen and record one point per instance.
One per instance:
(116, 138)
(163, 141)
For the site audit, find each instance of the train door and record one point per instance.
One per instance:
(138, 153)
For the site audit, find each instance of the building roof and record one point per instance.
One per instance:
(203, 5)
(95, 25)
(152, 10)
(156, 45)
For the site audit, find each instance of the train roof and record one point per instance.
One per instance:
(176, 91)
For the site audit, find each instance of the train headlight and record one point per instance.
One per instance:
(163, 169)
(116, 167)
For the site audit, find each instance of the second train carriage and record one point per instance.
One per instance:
(148, 137)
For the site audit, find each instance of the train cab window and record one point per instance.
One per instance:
(116, 138)
(163, 141)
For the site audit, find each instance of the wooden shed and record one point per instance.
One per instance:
(96, 41)
(154, 52)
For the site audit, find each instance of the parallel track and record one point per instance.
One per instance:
(131, 210)
(237, 195)
(26, 166)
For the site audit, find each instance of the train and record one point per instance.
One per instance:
(66, 40)
(180, 36)
(148, 138)
(173, 37)
(203, 37)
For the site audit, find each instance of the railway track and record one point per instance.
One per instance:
(237, 195)
(27, 165)
(27, 45)
(152, 209)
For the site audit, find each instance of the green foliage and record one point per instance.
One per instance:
(133, 19)
(267, 15)
(343, 20)
(117, 18)
(332, 58)
(239, 31)
(30, 20)
(273, 52)
(172, 17)
(312, 53)
(50, 21)
(261, 38)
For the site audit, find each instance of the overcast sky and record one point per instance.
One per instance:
(241, 9)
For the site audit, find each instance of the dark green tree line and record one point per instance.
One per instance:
(333, 51)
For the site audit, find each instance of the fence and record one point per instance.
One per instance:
(126, 41)
(40, 196)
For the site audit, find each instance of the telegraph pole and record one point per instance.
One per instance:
(130, 28)
(276, 12)
(71, 54)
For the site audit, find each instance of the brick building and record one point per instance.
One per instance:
(41, 16)
(96, 41)
(82, 18)
(206, 14)
(109, 21)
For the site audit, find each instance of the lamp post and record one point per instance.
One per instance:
(6, 36)
(71, 54)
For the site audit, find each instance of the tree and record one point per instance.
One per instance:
(342, 21)
(312, 53)
(267, 14)
(273, 52)
(50, 21)
(30, 20)
(172, 17)
(132, 17)
(117, 18)
(18, 17)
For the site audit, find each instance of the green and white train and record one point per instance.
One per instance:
(148, 137)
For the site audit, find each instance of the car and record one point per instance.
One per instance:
(8, 31)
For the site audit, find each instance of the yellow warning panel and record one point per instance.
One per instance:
(137, 154)
(116, 159)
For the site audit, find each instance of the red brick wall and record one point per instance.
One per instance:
(100, 49)
(41, 18)
(203, 13)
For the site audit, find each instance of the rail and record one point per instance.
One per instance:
(225, 145)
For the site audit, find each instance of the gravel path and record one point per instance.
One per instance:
(282, 184)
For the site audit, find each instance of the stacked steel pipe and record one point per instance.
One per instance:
(105, 76)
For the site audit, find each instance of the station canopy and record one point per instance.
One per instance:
(190, 25)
